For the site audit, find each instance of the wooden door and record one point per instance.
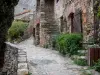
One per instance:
(77, 22)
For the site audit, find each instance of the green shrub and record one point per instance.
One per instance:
(97, 66)
(46, 46)
(16, 30)
(54, 37)
(68, 43)
(86, 72)
(29, 73)
(98, 13)
(80, 62)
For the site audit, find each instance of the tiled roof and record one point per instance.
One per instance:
(26, 11)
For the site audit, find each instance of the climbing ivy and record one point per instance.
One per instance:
(98, 13)
(97, 8)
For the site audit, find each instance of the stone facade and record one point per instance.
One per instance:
(77, 16)
(10, 60)
(15, 61)
(65, 16)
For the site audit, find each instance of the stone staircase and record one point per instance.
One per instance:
(81, 55)
(51, 27)
(22, 63)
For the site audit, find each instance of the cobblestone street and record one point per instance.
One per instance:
(47, 62)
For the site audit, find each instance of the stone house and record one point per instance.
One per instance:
(27, 17)
(45, 26)
(77, 16)
(64, 16)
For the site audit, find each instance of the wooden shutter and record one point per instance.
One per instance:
(93, 55)
(77, 22)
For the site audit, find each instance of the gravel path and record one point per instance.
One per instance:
(47, 62)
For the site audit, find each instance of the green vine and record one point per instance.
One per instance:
(98, 13)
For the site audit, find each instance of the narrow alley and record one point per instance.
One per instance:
(50, 37)
(47, 62)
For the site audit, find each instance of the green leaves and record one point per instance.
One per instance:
(17, 30)
(98, 14)
(68, 43)
(80, 62)
(97, 66)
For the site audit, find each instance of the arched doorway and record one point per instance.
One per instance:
(34, 32)
(38, 34)
(71, 17)
(63, 24)
(76, 21)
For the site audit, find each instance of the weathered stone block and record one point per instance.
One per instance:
(22, 66)
(10, 60)
(22, 72)
(22, 59)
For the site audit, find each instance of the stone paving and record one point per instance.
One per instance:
(47, 62)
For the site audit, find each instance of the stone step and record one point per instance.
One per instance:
(22, 59)
(78, 57)
(50, 23)
(22, 63)
(52, 32)
(49, 16)
(82, 51)
(22, 55)
(22, 66)
(21, 51)
(22, 71)
(50, 26)
(50, 19)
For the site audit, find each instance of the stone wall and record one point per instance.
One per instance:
(10, 60)
(59, 8)
(45, 18)
(22, 63)
(6, 18)
(72, 6)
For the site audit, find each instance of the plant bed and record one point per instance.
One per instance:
(97, 66)
(80, 62)
(68, 43)
(16, 31)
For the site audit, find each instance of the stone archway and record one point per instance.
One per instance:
(76, 21)
(34, 32)
(61, 24)
(71, 17)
